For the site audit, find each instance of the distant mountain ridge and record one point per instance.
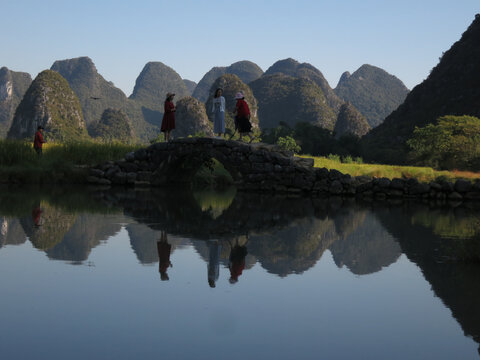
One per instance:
(191, 85)
(288, 99)
(246, 70)
(97, 94)
(373, 91)
(13, 86)
(286, 85)
(452, 88)
(293, 68)
(94, 92)
(154, 82)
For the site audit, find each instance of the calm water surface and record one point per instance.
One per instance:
(115, 274)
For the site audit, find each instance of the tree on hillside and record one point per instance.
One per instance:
(452, 143)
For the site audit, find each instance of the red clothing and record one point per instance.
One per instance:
(168, 121)
(236, 268)
(242, 108)
(38, 142)
(163, 249)
(36, 213)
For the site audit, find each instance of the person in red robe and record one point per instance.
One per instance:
(36, 215)
(39, 140)
(242, 112)
(168, 121)
(237, 262)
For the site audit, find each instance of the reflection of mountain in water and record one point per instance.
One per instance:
(87, 232)
(53, 224)
(454, 282)
(214, 202)
(11, 232)
(143, 241)
(286, 235)
(295, 248)
(366, 249)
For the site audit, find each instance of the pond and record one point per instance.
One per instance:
(178, 274)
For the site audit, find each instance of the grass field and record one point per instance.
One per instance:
(59, 163)
(66, 163)
(425, 174)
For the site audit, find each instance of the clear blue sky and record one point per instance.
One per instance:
(405, 38)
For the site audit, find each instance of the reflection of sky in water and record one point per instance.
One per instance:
(117, 308)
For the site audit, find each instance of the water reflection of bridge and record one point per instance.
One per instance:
(286, 235)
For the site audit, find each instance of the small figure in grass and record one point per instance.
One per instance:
(218, 109)
(168, 121)
(242, 112)
(39, 140)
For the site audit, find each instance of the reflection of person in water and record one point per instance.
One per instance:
(164, 249)
(213, 262)
(36, 215)
(237, 261)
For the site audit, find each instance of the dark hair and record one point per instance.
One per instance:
(216, 92)
(40, 127)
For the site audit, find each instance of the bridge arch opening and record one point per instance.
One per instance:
(212, 173)
(199, 169)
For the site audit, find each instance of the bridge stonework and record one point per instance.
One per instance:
(262, 167)
(252, 166)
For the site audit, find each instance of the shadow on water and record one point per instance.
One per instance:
(284, 235)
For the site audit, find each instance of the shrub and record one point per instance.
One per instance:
(452, 143)
(288, 143)
(334, 157)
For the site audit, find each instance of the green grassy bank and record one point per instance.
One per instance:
(60, 163)
(424, 174)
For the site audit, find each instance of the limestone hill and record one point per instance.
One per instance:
(247, 71)
(452, 88)
(191, 85)
(288, 99)
(94, 92)
(50, 102)
(191, 118)
(350, 122)
(154, 82)
(373, 91)
(97, 94)
(293, 68)
(113, 126)
(13, 86)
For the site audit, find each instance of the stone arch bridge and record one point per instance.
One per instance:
(252, 166)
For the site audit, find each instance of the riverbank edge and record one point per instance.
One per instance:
(274, 171)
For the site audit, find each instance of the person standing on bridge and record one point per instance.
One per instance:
(242, 112)
(168, 121)
(218, 110)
